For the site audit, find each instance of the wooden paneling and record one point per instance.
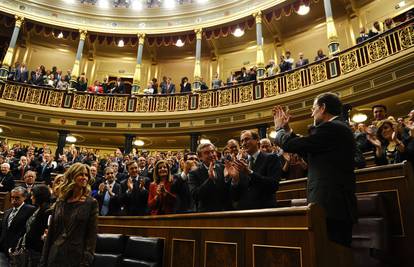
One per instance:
(236, 238)
(396, 184)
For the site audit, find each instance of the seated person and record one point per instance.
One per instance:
(96, 88)
(244, 76)
(82, 83)
(150, 89)
(6, 178)
(320, 55)
(160, 199)
(203, 85)
(252, 74)
(63, 84)
(37, 78)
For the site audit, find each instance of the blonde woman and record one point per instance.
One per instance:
(71, 236)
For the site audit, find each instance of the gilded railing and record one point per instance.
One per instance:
(373, 50)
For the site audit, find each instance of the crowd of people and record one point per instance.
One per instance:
(52, 192)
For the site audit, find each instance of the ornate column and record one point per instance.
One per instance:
(8, 58)
(128, 143)
(262, 130)
(197, 67)
(61, 142)
(331, 30)
(136, 84)
(75, 69)
(259, 44)
(194, 141)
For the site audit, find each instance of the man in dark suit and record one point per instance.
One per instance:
(208, 187)
(119, 87)
(22, 74)
(6, 178)
(302, 61)
(14, 220)
(330, 150)
(108, 195)
(185, 85)
(46, 168)
(257, 178)
(142, 168)
(37, 78)
(134, 191)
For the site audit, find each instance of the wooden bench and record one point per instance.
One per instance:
(396, 183)
(281, 237)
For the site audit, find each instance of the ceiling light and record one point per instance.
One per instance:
(238, 32)
(401, 4)
(169, 3)
(138, 142)
(60, 35)
(205, 141)
(1, 130)
(303, 9)
(179, 43)
(359, 117)
(103, 3)
(71, 139)
(272, 134)
(121, 43)
(70, 2)
(137, 5)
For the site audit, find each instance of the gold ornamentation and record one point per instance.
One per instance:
(162, 104)
(246, 93)
(182, 103)
(204, 101)
(348, 61)
(318, 73)
(271, 87)
(100, 103)
(83, 34)
(258, 17)
(141, 38)
(55, 98)
(224, 97)
(79, 101)
(142, 104)
(199, 33)
(294, 81)
(377, 50)
(120, 103)
(19, 21)
(406, 36)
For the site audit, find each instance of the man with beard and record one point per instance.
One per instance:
(330, 149)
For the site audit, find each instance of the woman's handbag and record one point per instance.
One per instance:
(20, 257)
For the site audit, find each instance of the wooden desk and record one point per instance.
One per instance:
(282, 237)
(396, 183)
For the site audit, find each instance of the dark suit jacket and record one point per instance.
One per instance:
(22, 76)
(186, 88)
(36, 228)
(135, 202)
(330, 150)
(258, 190)
(179, 187)
(304, 62)
(10, 235)
(44, 173)
(72, 234)
(119, 89)
(209, 195)
(114, 206)
(37, 81)
(7, 181)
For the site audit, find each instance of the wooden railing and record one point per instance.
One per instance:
(369, 52)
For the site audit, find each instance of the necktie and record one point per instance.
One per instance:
(11, 217)
(105, 204)
(251, 163)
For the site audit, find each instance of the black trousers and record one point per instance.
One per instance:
(339, 231)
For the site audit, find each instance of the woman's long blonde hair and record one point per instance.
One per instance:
(65, 188)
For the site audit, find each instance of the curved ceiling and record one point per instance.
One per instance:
(184, 17)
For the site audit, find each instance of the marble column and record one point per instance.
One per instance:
(194, 141)
(61, 142)
(197, 67)
(8, 58)
(331, 30)
(76, 65)
(259, 44)
(136, 84)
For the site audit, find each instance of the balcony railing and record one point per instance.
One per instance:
(371, 51)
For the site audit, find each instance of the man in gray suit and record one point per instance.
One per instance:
(330, 149)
